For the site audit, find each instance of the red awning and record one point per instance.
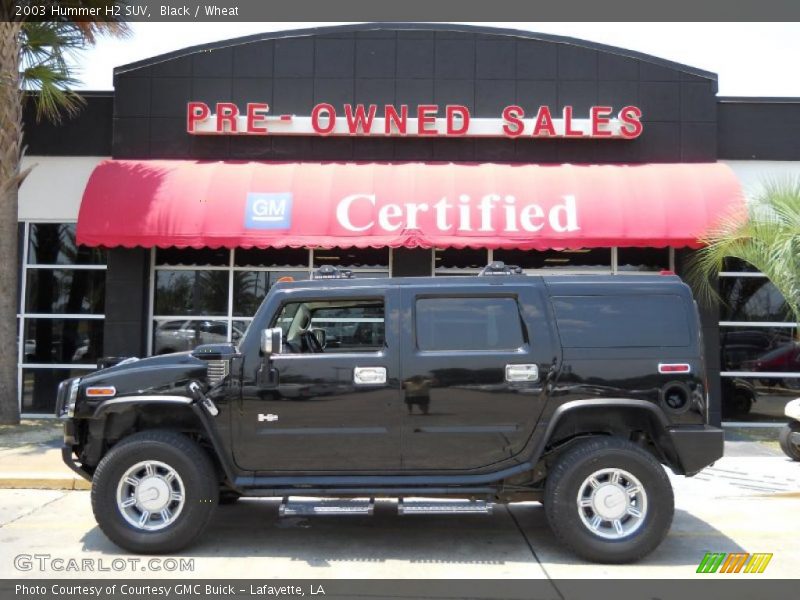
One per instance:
(258, 204)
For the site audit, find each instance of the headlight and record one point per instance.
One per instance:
(72, 398)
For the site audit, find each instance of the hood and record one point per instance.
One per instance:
(165, 374)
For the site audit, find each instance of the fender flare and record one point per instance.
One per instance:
(120, 404)
(576, 405)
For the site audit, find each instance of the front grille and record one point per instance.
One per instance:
(217, 371)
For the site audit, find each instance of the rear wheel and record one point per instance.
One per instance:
(154, 492)
(791, 449)
(609, 500)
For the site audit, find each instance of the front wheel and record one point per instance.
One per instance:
(789, 447)
(154, 492)
(609, 500)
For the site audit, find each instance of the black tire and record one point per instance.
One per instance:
(789, 449)
(566, 479)
(196, 472)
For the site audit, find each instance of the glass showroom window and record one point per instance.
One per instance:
(208, 296)
(759, 345)
(62, 311)
(469, 261)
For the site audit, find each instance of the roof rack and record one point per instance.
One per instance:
(498, 267)
(331, 272)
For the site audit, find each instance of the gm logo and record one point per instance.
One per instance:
(268, 211)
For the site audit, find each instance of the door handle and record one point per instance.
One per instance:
(369, 375)
(528, 372)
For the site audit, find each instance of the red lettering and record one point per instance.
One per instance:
(359, 122)
(398, 121)
(452, 111)
(255, 113)
(330, 113)
(568, 130)
(600, 115)
(196, 112)
(544, 123)
(632, 125)
(426, 115)
(227, 112)
(512, 115)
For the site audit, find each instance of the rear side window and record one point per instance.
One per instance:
(619, 321)
(468, 324)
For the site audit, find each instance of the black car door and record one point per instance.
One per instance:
(474, 374)
(330, 410)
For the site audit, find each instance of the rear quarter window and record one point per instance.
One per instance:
(622, 321)
(468, 324)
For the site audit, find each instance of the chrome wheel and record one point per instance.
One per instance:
(612, 503)
(150, 495)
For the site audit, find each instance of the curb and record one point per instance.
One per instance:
(42, 481)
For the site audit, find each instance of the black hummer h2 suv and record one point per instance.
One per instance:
(568, 390)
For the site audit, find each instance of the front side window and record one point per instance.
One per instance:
(316, 327)
(468, 324)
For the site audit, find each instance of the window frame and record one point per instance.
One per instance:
(23, 315)
(751, 375)
(230, 317)
(379, 352)
(525, 334)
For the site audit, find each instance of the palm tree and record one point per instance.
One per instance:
(34, 67)
(768, 239)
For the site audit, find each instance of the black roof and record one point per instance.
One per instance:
(557, 284)
(411, 26)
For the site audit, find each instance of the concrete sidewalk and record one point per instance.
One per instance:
(30, 458)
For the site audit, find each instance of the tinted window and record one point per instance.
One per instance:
(594, 259)
(751, 299)
(622, 321)
(54, 244)
(76, 291)
(468, 324)
(348, 326)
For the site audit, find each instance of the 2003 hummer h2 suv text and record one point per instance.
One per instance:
(468, 391)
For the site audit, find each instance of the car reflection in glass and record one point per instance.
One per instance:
(183, 335)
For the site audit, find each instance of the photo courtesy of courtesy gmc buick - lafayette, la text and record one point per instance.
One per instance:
(449, 394)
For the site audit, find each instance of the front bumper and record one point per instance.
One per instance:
(68, 456)
(67, 453)
(697, 447)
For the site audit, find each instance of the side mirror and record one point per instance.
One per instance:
(215, 352)
(271, 341)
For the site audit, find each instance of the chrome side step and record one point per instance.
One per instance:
(316, 507)
(443, 507)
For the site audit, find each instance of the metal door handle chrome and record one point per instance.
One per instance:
(369, 375)
(522, 372)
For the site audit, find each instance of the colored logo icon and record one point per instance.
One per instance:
(734, 562)
(268, 211)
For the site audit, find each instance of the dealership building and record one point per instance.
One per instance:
(158, 218)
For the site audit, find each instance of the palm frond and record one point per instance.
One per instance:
(769, 240)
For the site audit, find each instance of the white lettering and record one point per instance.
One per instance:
(343, 211)
(528, 214)
(390, 211)
(511, 214)
(413, 210)
(486, 207)
(442, 206)
(463, 212)
(570, 214)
